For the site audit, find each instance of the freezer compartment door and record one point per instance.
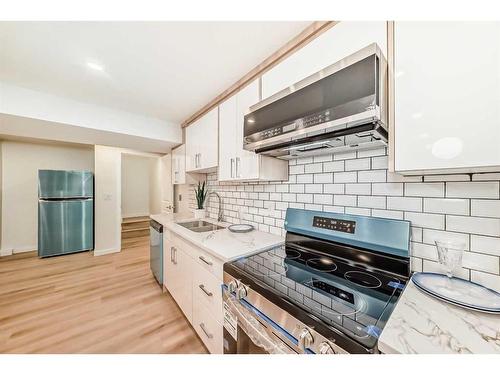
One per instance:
(65, 184)
(65, 227)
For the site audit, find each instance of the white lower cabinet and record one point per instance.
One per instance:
(194, 279)
(208, 328)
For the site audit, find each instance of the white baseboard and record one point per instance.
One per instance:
(7, 252)
(105, 252)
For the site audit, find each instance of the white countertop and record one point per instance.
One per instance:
(222, 243)
(423, 324)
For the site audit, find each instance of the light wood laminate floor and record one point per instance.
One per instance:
(84, 304)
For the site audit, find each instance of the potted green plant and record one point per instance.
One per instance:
(200, 193)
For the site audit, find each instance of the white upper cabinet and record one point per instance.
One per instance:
(202, 143)
(179, 175)
(333, 45)
(235, 163)
(179, 165)
(447, 97)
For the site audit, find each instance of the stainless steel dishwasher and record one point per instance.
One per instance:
(156, 250)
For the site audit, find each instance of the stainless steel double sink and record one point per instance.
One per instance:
(200, 226)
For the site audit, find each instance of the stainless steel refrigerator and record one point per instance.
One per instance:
(65, 212)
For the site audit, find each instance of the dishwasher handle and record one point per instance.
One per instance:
(156, 226)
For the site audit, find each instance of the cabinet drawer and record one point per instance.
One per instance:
(207, 327)
(207, 290)
(209, 262)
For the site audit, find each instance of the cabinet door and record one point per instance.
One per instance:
(247, 163)
(192, 145)
(227, 139)
(340, 41)
(168, 265)
(184, 287)
(208, 139)
(447, 95)
(179, 165)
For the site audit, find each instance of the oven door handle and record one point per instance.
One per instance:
(252, 327)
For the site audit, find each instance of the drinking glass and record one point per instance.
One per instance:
(450, 255)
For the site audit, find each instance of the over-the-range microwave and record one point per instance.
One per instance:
(338, 109)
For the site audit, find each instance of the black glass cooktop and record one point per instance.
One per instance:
(341, 286)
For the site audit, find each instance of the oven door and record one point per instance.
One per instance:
(249, 331)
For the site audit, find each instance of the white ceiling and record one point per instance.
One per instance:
(166, 70)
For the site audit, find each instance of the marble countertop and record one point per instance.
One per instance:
(223, 244)
(423, 324)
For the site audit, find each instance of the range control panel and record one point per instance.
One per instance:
(346, 226)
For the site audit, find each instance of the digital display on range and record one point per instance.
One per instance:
(346, 226)
(330, 289)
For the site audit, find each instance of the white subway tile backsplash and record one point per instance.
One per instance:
(344, 177)
(481, 262)
(344, 200)
(333, 188)
(387, 188)
(372, 176)
(357, 211)
(474, 225)
(446, 206)
(357, 164)
(323, 199)
(485, 208)
(358, 189)
(305, 179)
(323, 178)
(371, 202)
(313, 188)
(473, 190)
(435, 267)
(424, 251)
(425, 189)
(433, 221)
(387, 214)
(404, 203)
(431, 235)
(296, 169)
(486, 177)
(314, 168)
(380, 162)
(485, 245)
(334, 166)
(438, 207)
(305, 198)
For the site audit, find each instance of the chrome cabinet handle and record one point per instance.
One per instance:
(238, 163)
(202, 287)
(232, 167)
(202, 258)
(174, 257)
(209, 335)
(171, 254)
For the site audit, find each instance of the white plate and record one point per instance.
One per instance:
(458, 292)
(241, 228)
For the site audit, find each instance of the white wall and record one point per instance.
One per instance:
(20, 164)
(136, 185)
(107, 200)
(39, 105)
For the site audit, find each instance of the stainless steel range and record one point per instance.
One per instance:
(329, 289)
